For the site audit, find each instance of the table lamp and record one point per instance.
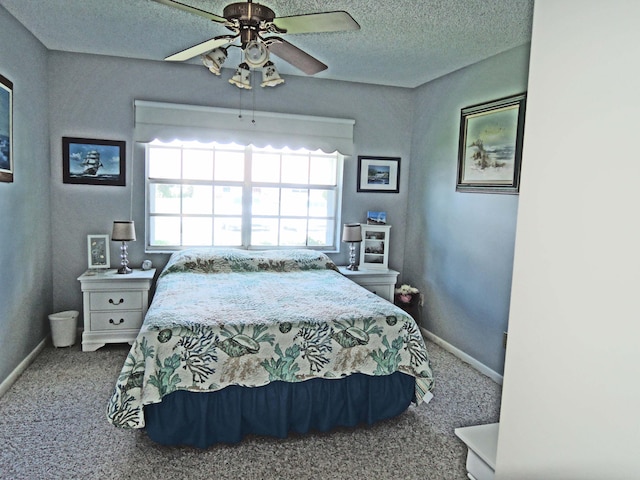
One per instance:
(352, 233)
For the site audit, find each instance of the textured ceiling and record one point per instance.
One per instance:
(401, 42)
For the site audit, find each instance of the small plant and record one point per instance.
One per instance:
(406, 292)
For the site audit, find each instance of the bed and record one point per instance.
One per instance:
(240, 342)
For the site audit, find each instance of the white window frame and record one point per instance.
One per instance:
(247, 217)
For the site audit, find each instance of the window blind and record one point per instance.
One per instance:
(171, 121)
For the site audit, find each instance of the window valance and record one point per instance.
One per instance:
(171, 121)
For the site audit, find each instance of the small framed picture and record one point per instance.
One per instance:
(376, 218)
(6, 130)
(98, 251)
(379, 174)
(490, 146)
(90, 161)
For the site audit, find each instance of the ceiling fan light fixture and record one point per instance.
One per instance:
(249, 22)
(241, 78)
(270, 76)
(214, 60)
(256, 54)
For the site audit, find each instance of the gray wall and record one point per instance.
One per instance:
(25, 235)
(459, 246)
(92, 96)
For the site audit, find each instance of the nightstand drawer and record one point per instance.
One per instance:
(115, 320)
(116, 300)
(382, 290)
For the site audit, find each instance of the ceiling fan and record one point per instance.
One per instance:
(257, 28)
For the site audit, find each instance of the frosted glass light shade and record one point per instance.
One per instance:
(270, 76)
(256, 54)
(241, 78)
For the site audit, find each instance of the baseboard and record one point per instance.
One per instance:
(481, 367)
(13, 376)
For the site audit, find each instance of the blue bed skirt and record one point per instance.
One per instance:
(226, 416)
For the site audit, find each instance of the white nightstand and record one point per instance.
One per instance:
(381, 282)
(482, 445)
(114, 306)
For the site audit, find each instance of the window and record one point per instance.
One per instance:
(230, 195)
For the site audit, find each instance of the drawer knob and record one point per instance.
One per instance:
(114, 303)
(114, 323)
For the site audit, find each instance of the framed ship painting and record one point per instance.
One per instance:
(93, 162)
(6, 130)
(490, 146)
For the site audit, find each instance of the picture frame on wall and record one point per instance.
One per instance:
(6, 130)
(98, 255)
(91, 161)
(490, 146)
(378, 174)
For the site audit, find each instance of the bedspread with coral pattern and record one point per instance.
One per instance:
(235, 317)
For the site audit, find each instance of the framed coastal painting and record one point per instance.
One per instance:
(98, 251)
(6, 130)
(93, 162)
(490, 146)
(379, 174)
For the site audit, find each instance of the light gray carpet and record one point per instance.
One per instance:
(53, 426)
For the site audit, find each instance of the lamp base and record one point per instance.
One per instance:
(124, 259)
(352, 257)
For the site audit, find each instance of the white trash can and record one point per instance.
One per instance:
(63, 328)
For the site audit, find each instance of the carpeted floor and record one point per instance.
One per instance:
(53, 426)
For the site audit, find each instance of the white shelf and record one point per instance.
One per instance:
(374, 249)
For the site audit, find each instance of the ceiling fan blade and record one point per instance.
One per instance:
(339, 21)
(200, 48)
(293, 55)
(197, 11)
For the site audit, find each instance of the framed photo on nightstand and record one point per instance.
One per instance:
(98, 251)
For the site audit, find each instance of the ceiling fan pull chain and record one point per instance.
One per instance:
(253, 101)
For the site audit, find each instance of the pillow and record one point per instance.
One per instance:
(217, 260)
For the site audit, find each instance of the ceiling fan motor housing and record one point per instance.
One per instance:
(250, 18)
(248, 13)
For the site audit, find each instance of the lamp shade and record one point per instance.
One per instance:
(270, 76)
(241, 78)
(214, 60)
(351, 232)
(123, 231)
